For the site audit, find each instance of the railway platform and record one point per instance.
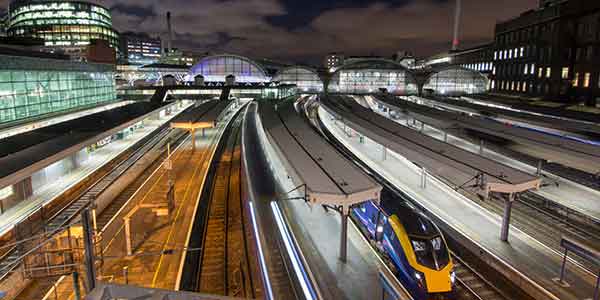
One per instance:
(530, 264)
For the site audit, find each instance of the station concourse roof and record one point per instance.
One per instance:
(447, 161)
(328, 177)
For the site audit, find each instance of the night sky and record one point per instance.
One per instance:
(305, 30)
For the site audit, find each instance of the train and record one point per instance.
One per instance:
(413, 245)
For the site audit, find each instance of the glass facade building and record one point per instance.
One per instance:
(369, 76)
(33, 87)
(456, 80)
(215, 68)
(68, 25)
(306, 79)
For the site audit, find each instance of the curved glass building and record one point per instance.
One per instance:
(216, 67)
(69, 25)
(306, 79)
(371, 75)
(456, 80)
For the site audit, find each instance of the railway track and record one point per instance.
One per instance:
(470, 285)
(224, 266)
(71, 211)
(543, 225)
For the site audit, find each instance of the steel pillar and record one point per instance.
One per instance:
(539, 168)
(445, 137)
(481, 147)
(76, 286)
(506, 218)
(344, 237)
(88, 241)
(423, 178)
(383, 153)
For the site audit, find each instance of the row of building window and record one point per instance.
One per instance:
(580, 80)
(481, 67)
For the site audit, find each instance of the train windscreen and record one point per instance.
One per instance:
(431, 253)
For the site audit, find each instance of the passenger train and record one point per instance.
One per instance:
(413, 244)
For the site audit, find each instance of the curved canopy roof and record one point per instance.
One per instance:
(215, 68)
(456, 80)
(370, 75)
(307, 79)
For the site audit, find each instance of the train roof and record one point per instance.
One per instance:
(415, 223)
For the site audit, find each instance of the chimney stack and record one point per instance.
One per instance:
(457, 12)
(170, 32)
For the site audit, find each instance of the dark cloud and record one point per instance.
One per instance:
(308, 29)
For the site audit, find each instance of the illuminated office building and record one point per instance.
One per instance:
(65, 26)
(140, 49)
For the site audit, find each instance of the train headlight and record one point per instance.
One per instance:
(452, 276)
(420, 277)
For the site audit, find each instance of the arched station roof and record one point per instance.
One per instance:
(369, 75)
(215, 68)
(305, 78)
(456, 80)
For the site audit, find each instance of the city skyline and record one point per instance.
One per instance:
(277, 28)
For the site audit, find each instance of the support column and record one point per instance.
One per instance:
(89, 250)
(76, 286)
(203, 132)
(481, 147)
(506, 218)
(384, 153)
(422, 126)
(128, 247)
(193, 139)
(445, 137)
(539, 168)
(344, 237)
(423, 178)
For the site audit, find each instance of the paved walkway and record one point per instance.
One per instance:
(96, 160)
(523, 253)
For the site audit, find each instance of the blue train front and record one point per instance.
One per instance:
(413, 244)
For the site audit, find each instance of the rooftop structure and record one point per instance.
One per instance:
(305, 78)
(34, 87)
(215, 68)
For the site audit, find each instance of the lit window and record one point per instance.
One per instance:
(524, 87)
(510, 54)
(540, 72)
(576, 80)
(494, 70)
(548, 72)
(532, 69)
(493, 84)
(522, 51)
(526, 71)
(565, 73)
(495, 55)
(586, 80)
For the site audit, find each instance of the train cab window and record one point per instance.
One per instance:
(431, 253)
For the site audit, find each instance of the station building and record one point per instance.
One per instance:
(552, 52)
(65, 26)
